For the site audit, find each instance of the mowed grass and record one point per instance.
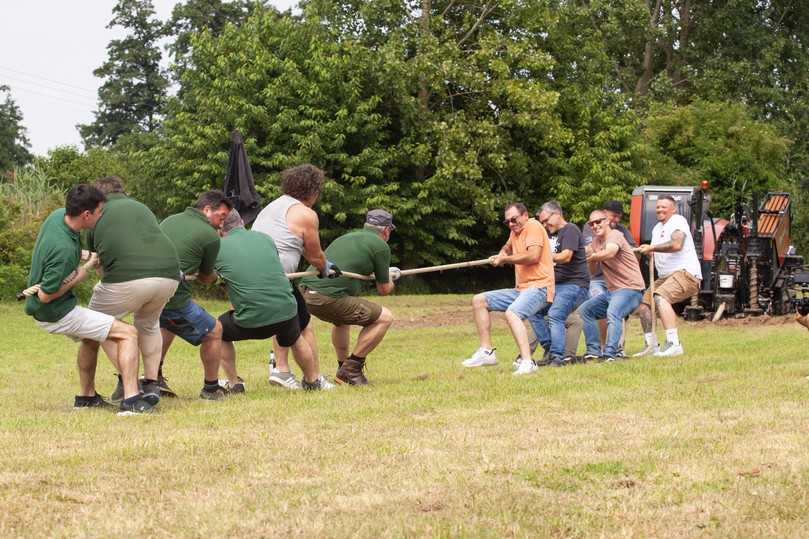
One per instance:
(713, 443)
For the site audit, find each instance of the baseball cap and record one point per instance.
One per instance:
(615, 206)
(379, 217)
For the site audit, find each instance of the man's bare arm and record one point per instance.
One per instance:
(304, 221)
(564, 257)
(609, 251)
(673, 245)
(531, 256)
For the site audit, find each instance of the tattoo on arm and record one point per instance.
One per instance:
(673, 245)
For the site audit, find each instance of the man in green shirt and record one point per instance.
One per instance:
(140, 272)
(335, 300)
(195, 236)
(55, 270)
(262, 300)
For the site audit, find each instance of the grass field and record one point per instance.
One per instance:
(713, 443)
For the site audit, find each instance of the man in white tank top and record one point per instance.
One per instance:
(294, 227)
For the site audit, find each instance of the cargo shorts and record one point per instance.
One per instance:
(344, 311)
(675, 287)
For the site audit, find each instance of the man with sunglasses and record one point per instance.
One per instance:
(572, 282)
(528, 249)
(624, 287)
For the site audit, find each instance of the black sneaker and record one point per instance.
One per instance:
(150, 392)
(217, 393)
(96, 401)
(589, 357)
(165, 390)
(606, 359)
(138, 407)
(561, 362)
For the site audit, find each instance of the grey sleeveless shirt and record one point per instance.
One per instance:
(272, 220)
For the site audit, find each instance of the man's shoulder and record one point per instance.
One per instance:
(570, 230)
(615, 236)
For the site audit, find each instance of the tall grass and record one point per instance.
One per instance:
(31, 192)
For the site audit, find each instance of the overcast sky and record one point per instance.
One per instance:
(48, 51)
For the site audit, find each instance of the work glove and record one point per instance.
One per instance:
(395, 273)
(330, 270)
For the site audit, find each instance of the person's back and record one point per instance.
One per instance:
(258, 288)
(273, 221)
(360, 251)
(197, 245)
(130, 244)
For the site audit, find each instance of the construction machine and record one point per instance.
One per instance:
(749, 266)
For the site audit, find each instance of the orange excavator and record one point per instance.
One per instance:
(749, 266)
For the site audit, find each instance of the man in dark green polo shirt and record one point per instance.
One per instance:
(55, 270)
(335, 300)
(140, 272)
(262, 300)
(195, 235)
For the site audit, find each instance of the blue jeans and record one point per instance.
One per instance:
(566, 299)
(523, 303)
(614, 306)
(597, 287)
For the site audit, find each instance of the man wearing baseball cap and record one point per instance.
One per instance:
(336, 301)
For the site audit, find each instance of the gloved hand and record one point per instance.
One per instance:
(330, 270)
(395, 273)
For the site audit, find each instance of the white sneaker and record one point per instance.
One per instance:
(648, 350)
(285, 380)
(525, 366)
(670, 350)
(481, 358)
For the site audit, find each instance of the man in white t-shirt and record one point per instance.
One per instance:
(679, 275)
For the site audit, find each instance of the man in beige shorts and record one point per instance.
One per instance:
(55, 270)
(679, 274)
(140, 273)
(336, 300)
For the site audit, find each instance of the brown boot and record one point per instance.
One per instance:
(350, 372)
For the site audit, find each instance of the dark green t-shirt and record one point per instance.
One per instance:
(57, 252)
(197, 245)
(360, 251)
(257, 286)
(130, 244)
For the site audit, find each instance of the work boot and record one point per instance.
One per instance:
(350, 372)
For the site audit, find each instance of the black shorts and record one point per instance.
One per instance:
(303, 313)
(287, 331)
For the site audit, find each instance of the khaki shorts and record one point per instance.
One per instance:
(675, 287)
(81, 323)
(345, 311)
(143, 297)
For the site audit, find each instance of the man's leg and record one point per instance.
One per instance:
(528, 303)
(303, 355)
(341, 340)
(483, 321)
(564, 302)
(122, 339)
(590, 312)
(228, 360)
(622, 303)
(573, 327)
(371, 335)
(168, 338)
(210, 353)
(153, 293)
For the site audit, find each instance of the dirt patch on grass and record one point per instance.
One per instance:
(753, 321)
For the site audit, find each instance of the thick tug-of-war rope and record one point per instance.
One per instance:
(297, 275)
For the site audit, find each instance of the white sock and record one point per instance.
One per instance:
(671, 336)
(649, 338)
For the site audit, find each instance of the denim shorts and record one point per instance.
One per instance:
(523, 303)
(191, 323)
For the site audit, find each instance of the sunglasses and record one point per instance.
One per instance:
(592, 224)
(511, 221)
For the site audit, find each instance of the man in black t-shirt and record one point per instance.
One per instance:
(572, 281)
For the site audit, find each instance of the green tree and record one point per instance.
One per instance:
(193, 17)
(132, 97)
(13, 140)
